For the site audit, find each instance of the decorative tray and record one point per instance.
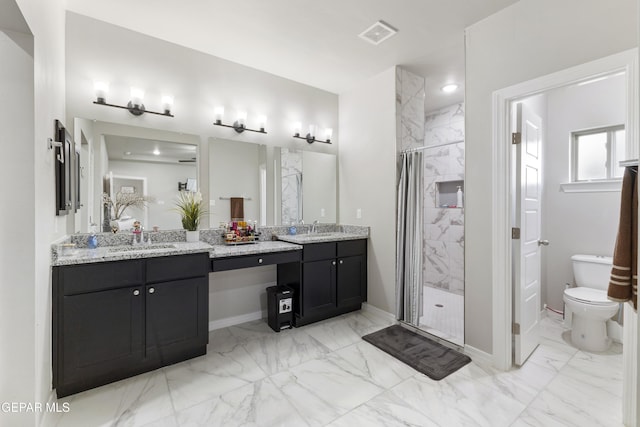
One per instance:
(240, 242)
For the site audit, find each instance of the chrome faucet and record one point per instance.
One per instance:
(314, 227)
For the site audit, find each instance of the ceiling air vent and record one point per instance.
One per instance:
(378, 32)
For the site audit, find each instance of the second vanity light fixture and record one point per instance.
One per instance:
(135, 105)
(310, 137)
(240, 124)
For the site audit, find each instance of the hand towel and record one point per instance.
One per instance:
(623, 285)
(237, 208)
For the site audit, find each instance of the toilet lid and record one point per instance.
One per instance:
(589, 296)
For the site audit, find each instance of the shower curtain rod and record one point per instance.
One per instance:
(432, 146)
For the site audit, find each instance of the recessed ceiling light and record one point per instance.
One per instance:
(452, 87)
(378, 32)
(127, 153)
(156, 152)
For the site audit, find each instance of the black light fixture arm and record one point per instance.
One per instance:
(311, 139)
(136, 110)
(238, 127)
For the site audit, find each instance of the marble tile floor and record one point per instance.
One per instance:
(325, 375)
(443, 314)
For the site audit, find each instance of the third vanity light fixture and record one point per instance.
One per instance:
(310, 137)
(240, 124)
(135, 105)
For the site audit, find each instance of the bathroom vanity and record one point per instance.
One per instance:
(113, 320)
(122, 310)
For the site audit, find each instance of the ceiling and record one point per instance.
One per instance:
(142, 150)
(313, 42)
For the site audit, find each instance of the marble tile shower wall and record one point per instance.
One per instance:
(444, 227)
(291, 170)
(409, 110)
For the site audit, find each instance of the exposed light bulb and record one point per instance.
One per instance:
(137, 95)
(101, 89)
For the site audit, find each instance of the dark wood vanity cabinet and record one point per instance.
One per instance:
(333, 280)
(116, 319)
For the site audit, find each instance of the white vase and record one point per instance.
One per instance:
(193, 236)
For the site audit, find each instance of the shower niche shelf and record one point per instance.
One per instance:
(447, 194)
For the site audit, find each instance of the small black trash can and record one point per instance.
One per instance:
(280, 307)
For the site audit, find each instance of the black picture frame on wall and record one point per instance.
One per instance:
(63, 166)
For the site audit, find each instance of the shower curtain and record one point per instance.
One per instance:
(409, 239)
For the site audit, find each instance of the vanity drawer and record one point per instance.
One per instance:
(352, 248)
(177, 267)
(82, 279)
(245, 261)
(319, 251)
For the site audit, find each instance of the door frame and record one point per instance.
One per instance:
(502, 199)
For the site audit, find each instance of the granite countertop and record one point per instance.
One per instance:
(321, 237)
(220, 251)
(124, 252)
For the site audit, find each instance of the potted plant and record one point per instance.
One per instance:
(189, 205)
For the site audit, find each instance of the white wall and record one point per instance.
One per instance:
(367, 176)
(33, 96)
(530, 39)
(576, 222)
(17, 290)
(162, 185)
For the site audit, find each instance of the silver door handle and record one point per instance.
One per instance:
(136, 292)
(151, 290)
(543, 243)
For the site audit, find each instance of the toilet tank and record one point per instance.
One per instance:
(592, 271)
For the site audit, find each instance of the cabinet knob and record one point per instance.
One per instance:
(151, 290)
(334, 263)
(259, 260)
(341, 261)
(136, 292)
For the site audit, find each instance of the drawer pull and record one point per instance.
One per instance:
(136, 292)
(334, 263)
(151, 290)
(341, 261)
(259, 260)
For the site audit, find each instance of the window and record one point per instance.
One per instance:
(596, 154)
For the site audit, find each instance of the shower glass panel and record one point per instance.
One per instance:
(443, 264)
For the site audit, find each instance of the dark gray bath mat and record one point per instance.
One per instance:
(422, 354)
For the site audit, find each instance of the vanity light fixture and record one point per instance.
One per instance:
(310, 137)
(240, 124)
(135, 105)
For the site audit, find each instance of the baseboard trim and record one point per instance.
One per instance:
(378, 311)
(478, 356)
(236, 320)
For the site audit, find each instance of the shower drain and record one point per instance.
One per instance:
(439, 305)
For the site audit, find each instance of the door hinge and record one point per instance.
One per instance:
(516, 138)
(515, 233)
(515, 328)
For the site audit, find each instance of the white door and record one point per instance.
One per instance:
(526, 249)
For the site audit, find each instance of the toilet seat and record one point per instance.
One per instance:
(595, 297)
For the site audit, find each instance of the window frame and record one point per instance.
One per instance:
(610, 145)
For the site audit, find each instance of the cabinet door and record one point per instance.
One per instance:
(351, 281)
(177, 315)
(319, 287)
(101, 335)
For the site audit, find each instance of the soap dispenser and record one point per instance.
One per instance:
(459, 194)
(92, 240)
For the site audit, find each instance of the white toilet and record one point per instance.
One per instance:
(588, 302)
